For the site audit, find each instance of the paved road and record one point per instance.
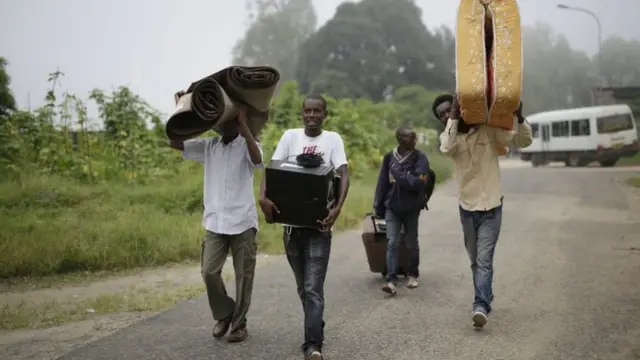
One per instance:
(567, 287)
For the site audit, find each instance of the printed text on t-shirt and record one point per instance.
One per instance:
(309, 149)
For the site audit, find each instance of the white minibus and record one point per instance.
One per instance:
(580, 136)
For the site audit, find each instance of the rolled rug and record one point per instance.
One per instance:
(204, 106)
(213, 101)
(253, 87)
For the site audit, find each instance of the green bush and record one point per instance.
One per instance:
(72, 199)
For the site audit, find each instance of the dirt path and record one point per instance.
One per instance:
(145, 279)
(54, 342)
(50, 343)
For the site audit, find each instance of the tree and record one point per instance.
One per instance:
(276, 30)
(620, 61)
(7, 101)
(555, 75)
(414, 102)
(338, 84)
(371, 48)
(347, 68)
(558, 76)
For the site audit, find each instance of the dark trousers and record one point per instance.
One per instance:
(308, 253)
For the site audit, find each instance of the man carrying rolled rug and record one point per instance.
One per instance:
(475, 151)
(399, 198)
(230, 219)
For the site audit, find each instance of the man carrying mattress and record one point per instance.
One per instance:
(230, 219)
(475, 151)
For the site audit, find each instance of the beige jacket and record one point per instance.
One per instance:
(476, 158)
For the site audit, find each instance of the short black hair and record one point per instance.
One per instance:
(315, 97)
(403, 128)
(440, 99)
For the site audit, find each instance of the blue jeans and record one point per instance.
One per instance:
(308, 253)
(481, 231)
(396, 221)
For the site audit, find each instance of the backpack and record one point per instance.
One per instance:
(429, 187)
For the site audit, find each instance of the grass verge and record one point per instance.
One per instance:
(78, 278)
(52, 225)
(629, 161)
(53, 313)
(634, 181)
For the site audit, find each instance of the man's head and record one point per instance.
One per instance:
(442, 106)
(314, 111)
(406, 137)
(230, 128)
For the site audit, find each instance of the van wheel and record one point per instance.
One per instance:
(574, 160)
(536, 160)
(609, 163)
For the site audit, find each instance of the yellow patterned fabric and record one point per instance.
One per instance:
(473, 80)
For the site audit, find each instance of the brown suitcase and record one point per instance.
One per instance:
(374, 238)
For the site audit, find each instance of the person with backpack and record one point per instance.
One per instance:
(399, 198)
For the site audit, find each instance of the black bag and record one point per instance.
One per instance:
(429, 187)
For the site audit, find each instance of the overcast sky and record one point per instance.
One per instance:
(159, 46)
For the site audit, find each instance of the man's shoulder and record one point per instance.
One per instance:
(420, 154)
(205, 140)
(491, 129)
(294, 131)
(289, 133)
(333, 135)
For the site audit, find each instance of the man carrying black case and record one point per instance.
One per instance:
(308, 248)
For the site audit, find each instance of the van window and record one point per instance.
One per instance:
(615, 123)
(535, 130)
(580, 127)
(560, 129)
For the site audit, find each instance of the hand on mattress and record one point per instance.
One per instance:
(454, 114)
(518, 114)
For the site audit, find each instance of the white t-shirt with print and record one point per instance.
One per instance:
(295, 142)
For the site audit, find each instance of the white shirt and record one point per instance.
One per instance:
(476, 160)
(295, 142)
(229, 202)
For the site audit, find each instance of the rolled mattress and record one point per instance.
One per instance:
(489, 61)
(211, 101)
